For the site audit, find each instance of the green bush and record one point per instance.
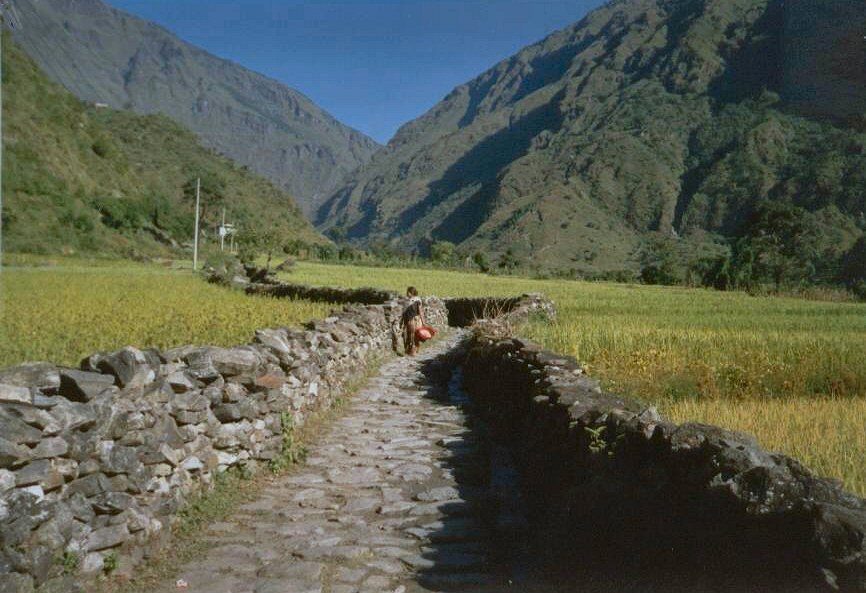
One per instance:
(101, 147)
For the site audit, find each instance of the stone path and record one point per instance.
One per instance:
(396, 497)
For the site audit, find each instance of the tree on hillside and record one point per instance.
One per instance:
(658, 262)
(480, 260)
(258, 240)
(442, 252)
(508, 261)
(213, 192)
(780, 244)
(853, 271)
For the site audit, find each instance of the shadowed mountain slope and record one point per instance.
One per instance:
(671, 117)
(104, 55)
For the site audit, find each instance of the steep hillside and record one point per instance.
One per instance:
(79, 179)
(647, 117)
(104, 55)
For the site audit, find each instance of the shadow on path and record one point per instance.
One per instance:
(511, 530)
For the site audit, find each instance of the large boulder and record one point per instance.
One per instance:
(40, 375)
(13, 394)
(228, 362)
(83, 386)
(130, 367)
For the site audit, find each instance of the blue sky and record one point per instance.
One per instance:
(372, 64)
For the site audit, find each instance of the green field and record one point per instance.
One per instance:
(65, 312)
(791, 371)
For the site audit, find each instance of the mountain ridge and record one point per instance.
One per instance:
(104, 55)
(81, 179)
(577, 148)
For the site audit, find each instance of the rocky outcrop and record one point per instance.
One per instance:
(97, 461)
(621, 486)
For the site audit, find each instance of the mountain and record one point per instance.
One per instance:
(106, 56)
(77, 179)
(671, 118)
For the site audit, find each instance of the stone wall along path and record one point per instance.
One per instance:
(377, 507)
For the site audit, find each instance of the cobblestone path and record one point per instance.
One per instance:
(391, 499)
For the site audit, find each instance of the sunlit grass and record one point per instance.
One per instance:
(829, 435)
(65, 312)
(791, 371)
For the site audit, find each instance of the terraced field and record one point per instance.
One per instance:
(791, 371)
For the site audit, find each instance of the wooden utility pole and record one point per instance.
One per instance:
(223, 232)
(195, 239)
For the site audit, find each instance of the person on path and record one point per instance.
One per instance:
(412, 319)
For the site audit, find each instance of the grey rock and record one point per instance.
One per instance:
(83, 386)
(192, 402)
(130, 367)
(16, 430)
(80, 507)
(106, 537)
(111, 503)
(12, 394)
(7, 481)
(39, 375)
(73, 415)
(12, 454)
(92, 563)
(191, 464)
(228, 412)
(31, 415)
(181, 382)
(16, 583)
(235, 361)
(62, 584)
(90, 486)
(274, 339)
(233, 393)
(185, 417)
(121, 460)
(50, 447)
(163, 454)
(27, 511)
(42, 473)
(47, 401)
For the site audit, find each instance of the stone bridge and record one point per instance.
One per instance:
(482, 464)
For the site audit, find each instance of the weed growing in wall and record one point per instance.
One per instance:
(291, 451)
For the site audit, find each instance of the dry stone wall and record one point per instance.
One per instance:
(366, 296)
(622, 487)
(97, 461)
(464, 312)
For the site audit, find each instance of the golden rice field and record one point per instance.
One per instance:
(791, 371)
(65, 312)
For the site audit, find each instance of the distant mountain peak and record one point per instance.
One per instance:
(105, 55)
